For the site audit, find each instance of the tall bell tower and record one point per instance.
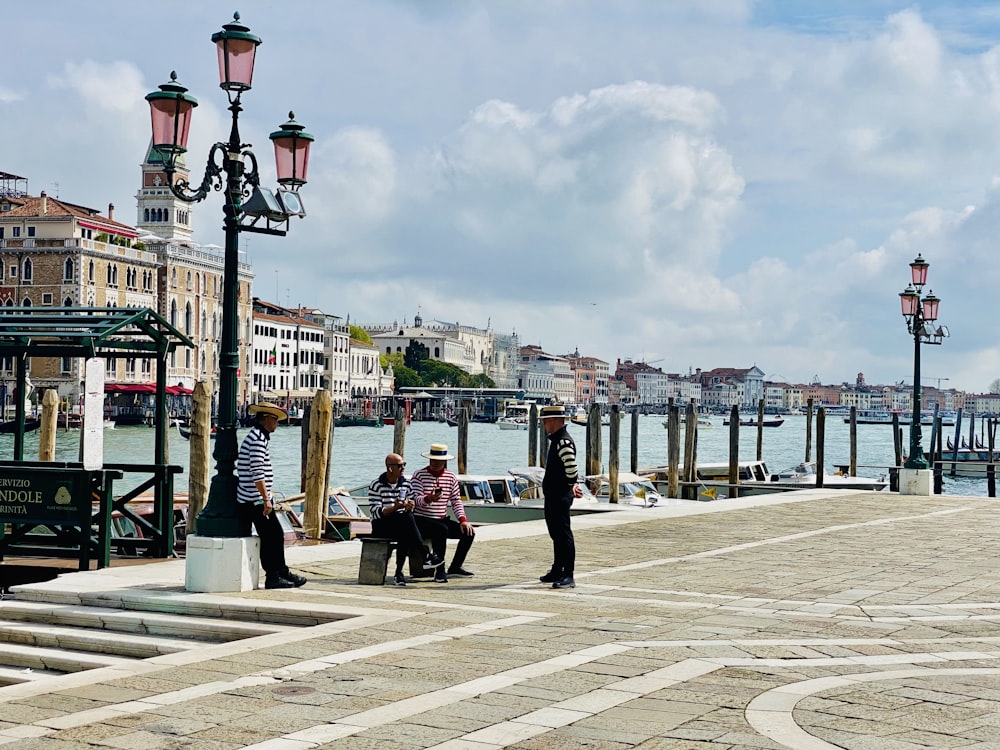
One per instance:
(160, 213)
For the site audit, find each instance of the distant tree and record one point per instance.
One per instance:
(406, 378)
(479, 381)
(416, 354)
(995, 386)
(360, 334)
(442, 374)
(394, 358)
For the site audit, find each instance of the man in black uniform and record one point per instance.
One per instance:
(559, 486)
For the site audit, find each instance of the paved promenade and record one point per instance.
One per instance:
(811, 620)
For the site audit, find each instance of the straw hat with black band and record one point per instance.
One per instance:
(263, 408)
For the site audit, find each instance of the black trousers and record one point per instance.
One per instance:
(272, 537)
(401, 527)
(439, 531)
(557, 523)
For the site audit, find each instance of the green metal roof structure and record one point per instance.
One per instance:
(87, 332)
(106, 332)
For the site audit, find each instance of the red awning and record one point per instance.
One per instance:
(129, 388)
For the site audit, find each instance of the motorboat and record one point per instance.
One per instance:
(884, 416)
(512, 423)
(769, 421)
(515, 416)
(755, 475)
(633, 489)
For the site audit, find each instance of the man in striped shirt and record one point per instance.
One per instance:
(390, 505)
(559, 486)
(434, 489)
(255, 500)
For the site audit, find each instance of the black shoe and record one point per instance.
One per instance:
(432, 561)
(460, 572)
(551, 577)
(296, 579)
(440, 576)
(398, 580)
(277, 582)
(566, 582)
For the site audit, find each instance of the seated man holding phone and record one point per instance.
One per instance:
(434, 489)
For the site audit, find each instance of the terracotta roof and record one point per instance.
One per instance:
(31, 208)
(287, 320)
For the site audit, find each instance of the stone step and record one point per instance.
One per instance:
(210, 629)
(56, 660)
(142, 646)
(182, 603)
(10, 676)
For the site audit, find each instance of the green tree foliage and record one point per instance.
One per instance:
(995, 386)
(406, 378)
(395, 359)
(479, 381)
(416, 354)
(441, 374)
(360, 334)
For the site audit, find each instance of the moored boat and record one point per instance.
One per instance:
(769, 421)
(10, 427)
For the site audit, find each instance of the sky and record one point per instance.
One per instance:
(692, 184)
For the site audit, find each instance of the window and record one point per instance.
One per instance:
(47, 298)
(66, 365)
(28, 272)
(31, 231)
(90, 272)
(68, 269)
(110, 369)
(15, 231)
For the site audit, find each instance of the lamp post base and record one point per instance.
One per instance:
(916, 482)
(216, 565)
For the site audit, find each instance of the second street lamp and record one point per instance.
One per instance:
(231, 168)
(920, 315)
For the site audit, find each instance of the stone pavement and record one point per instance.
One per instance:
(809, 620)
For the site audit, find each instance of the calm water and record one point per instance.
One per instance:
(359, 452)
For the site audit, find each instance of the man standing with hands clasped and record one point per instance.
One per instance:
(434, 489)
(559, 486)
(255, 499)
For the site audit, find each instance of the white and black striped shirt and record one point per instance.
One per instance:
(381, 494)
(253, 465)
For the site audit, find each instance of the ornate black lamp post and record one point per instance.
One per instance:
(920, 315)
(231, 167)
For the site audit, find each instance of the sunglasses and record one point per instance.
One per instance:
(400, 466)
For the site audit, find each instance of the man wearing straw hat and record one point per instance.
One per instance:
(559, 486)
(255, 500)
(434, 489)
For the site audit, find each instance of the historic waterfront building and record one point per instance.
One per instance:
(546, 377)
(337, 358)
(59, 254)
(475, 350)
(726, 387)
(288, 356)
(591, 379)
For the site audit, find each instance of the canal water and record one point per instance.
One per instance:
(359, 452)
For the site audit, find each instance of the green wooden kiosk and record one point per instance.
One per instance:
(59, 509)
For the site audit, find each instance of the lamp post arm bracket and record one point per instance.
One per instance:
(212, 180)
